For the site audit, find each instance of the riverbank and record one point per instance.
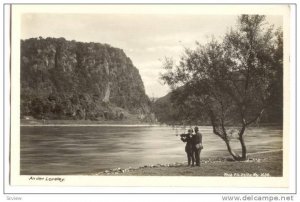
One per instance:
(38, 122)
(266, 164)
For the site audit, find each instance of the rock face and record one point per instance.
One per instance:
(63, 79)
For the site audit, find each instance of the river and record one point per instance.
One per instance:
(67, 150)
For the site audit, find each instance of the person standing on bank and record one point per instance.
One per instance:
(197, 145)
(189, 146)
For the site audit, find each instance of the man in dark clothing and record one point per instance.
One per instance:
(197, 145)
(189, 146)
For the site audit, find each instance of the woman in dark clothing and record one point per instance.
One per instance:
(189, 146)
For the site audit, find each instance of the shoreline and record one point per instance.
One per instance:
(39, 122)
(89, 125)
(259, 164)
(36, 122)
(116, 124)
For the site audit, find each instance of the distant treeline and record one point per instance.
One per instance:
(167, 112)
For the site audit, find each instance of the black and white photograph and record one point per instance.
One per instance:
(144, 91)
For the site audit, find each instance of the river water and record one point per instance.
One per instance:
(55, 150)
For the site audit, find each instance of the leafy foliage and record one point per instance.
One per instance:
(232, 81)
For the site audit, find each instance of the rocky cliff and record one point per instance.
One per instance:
(63, 79)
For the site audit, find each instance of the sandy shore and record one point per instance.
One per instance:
(266, 164)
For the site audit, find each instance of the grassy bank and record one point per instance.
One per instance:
(259, 164)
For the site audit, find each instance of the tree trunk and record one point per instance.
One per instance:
(235, 156)
(244, 149)
(231, 152)
(243, 145)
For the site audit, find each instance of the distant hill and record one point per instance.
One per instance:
(63, 79)
(169, 113)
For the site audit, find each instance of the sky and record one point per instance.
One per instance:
(146, 38)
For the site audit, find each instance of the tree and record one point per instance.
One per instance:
(275, 109)
(228, 82)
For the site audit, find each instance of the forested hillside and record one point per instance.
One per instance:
(63, 79)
